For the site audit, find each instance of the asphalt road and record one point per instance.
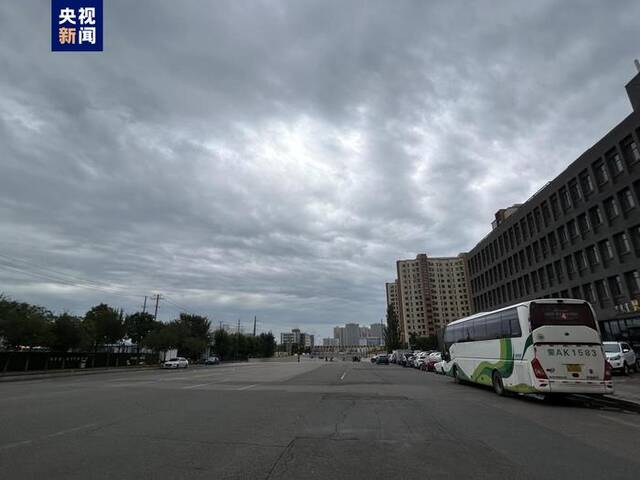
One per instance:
(309, 420)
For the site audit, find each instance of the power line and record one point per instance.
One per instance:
(60, 279)
(58, 275)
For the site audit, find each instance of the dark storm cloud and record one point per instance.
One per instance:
(276, 158)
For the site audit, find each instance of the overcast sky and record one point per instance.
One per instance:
(276, 158)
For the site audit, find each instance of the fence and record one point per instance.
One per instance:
(31, 361)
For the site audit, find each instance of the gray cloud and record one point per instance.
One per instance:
(276, 158)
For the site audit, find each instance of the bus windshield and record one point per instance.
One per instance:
(542, 314)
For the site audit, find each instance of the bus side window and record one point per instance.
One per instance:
(494, 327)
(515, 327)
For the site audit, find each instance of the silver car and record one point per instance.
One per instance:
(621, 356)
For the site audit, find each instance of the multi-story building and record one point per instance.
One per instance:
(431, 292)
(330, 342)
(351, 334)
(392, 295)
(376, 330)
(577, 237)
(296, 337)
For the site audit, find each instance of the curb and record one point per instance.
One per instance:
(39, 375)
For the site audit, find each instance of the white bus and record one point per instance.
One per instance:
(541, 346)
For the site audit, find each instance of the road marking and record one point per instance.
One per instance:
(69, 430)
(617, 420)
(342, 377)
(16, 444)
(195, 386)
(247, 387)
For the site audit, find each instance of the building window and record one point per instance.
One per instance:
(615, 162)
(602, 290)
(592, 255)
(626, 199)
(606, 250)
(596, 216)
(633, 281)
(635, 236)
(581, 260)
(588, 293)
(622, 243)
(600, 172)
(615, 285)
(611, 208)
(570, 265)
(565, 198)
(553, 201)
(630, 151)
(573, 229)
(583, 223)
(562, 234)
(574, 191)
(587, 183)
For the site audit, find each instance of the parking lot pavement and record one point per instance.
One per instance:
(312, 420)
(627, 387)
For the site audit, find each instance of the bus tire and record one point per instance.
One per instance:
(456, 376)
(498, 384)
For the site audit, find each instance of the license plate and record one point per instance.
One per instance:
(574, 368)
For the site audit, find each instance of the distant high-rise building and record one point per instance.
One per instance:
(338, 334)
(431, 292)
(351, 334)
(392, 296)
(296, 337)
(377, 330)
(330, 342)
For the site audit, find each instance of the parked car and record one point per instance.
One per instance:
(431, 360)
(212, 360)
(439, 367)
(408, 360)
(373, 358)
(382, 360)
(177, 362)
(621, 356)
(420, 359)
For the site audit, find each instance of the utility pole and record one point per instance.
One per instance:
(155, 315)
(255, 318)
(144, 306)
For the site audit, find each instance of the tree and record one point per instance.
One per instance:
(138, 326)
(22, 324)
(164, 336)
(423, 343)
(66, 333)
(104, 325)
(392, 330)
(222, 344)
(265, 345)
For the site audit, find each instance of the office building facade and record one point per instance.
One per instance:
(577, 237)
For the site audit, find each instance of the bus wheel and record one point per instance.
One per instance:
(456, 374)
(498, 385)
